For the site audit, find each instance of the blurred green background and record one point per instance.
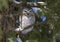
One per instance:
(39, 33)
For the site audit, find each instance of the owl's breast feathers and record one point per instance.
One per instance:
(26, 21)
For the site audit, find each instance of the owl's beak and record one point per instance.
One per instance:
(27, 13)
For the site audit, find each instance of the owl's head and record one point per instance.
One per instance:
(27, 12)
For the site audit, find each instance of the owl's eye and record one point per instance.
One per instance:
(30, 11)
(24, 11)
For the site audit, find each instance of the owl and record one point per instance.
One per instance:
(26, 19)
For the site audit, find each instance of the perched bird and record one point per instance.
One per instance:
(26, 19)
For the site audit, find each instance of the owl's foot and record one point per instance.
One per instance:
(19, 29)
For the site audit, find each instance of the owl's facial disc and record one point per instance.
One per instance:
(28, 12)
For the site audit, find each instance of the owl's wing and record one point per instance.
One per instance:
(27, 30)
(32, 20)
(25, 21)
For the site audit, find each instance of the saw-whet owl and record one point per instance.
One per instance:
(26, 19)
